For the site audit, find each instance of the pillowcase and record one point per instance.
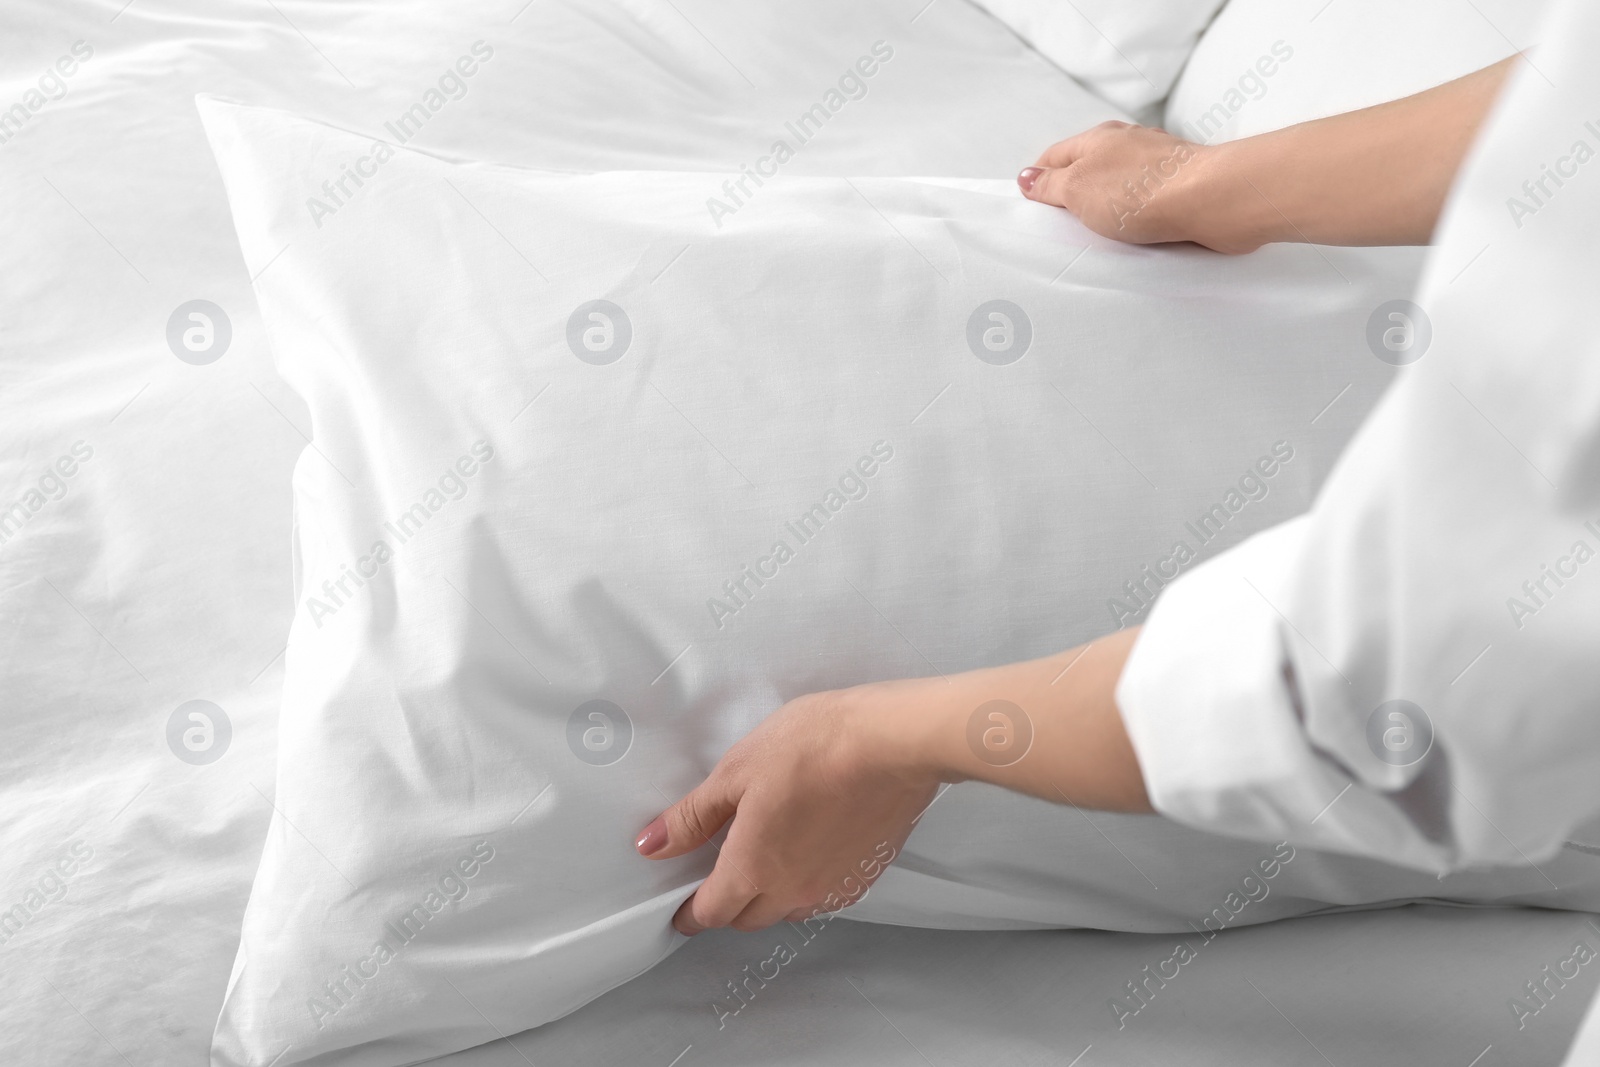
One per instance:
(1128, 53)
(604, 468)
(1267, 64)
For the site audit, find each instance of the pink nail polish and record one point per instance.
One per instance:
(653, 839)
(1028, 176)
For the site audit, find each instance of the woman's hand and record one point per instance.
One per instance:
(1378, 176)
(819, 817)
(1134, 184)
(823, 794)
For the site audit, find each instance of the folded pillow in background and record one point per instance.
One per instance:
(1128, 53)
(596, 483)
(1267, 64)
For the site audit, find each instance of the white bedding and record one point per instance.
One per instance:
(161, 574)
(1416, 986)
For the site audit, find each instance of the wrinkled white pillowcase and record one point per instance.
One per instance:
(1127, 52)
(596, 483)
(1267, 64)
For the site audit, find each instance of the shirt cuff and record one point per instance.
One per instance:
(1211, 700)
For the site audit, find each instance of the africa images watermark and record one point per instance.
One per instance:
(451, 485)
(1250, 86)
(1253, 888)
(599, 732)
(199, 732)
(49, 487)
(852, 485)
(46, 889)
(1541, 589)
(448, 890)
(1537, 192)
(52, 86)
(340, 189)
(1542, 989)
(742, 994)
(1251, 487)
(1142, 193)
(852, 85)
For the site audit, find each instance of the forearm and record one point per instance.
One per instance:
(1372, 177)
(1047, 727)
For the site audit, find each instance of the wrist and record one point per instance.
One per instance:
(1227, 209)
(902, 728)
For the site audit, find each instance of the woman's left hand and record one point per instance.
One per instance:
(1140, 185)
(823, 794)
(818, 810)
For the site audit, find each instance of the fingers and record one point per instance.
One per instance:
(1050, 186)
(1065, 153)
(689, 823)
(719, 900)
(721, 906)
(1052, 180)
(760, 913)
(811, 911)
(1036, 181)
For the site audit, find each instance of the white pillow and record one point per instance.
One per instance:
(563, 423)
(1267, 64)
(1128, 52)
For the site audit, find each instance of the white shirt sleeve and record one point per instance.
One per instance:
(1411, 671)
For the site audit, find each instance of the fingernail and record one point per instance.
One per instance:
(1028, 176)
(653, 839)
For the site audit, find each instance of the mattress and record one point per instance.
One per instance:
(153, 583)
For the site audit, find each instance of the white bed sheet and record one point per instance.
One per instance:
(1423, 986)
(162, 575)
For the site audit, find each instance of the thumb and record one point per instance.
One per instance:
(689, 823)
(1048, 185)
